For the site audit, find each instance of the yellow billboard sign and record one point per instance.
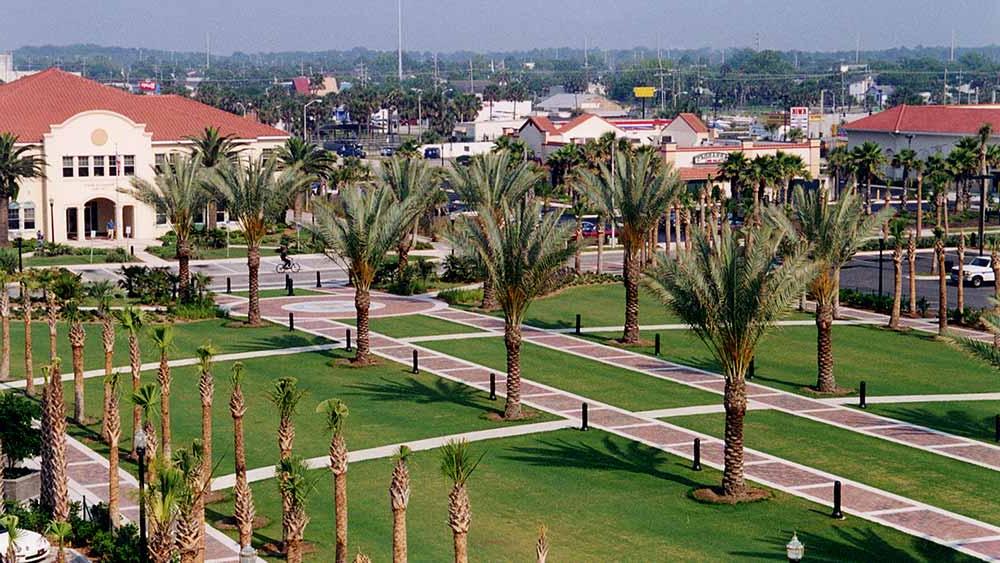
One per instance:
(644, 91)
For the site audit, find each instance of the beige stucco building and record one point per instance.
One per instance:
(95, 139)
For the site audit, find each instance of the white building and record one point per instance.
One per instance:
(545, 136)
(703, 163)
(94, 139)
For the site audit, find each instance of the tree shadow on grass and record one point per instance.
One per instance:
(628, 456)
(851, 544)
(278, 342)
(411, 390)
(954, 421)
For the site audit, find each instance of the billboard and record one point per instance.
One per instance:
(798, 118)
(148, 86)
(644, 91)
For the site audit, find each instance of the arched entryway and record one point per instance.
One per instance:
(128, 221)
(99, 218)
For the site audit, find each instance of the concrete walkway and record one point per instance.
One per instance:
(965, 534)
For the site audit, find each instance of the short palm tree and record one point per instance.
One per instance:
(243, 510)
(485, 184)
(638, 189)
(256, 193)
(834, 230)
(131, 318)
(399, 499)
(17, 163)
(297, 487)
(103, 291)
(60, 532)
(77, 339)
(146, 399)
(11, 523)
(165, 493)
(191, 508)
(163, 339)
(54, 484)
(285, 396)
(731, 292)
(360, 236)
(522, 252)
(411, 180)
(457, 465)
(867, 159)
(335, 414)
(897, 228)
(178, 192)
(113, 420)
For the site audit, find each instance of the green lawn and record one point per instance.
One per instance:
(892, 363)
(602, 498)
(387, 403)
(972, 419)
(66, 260)
(269, 293)
(414, 325)
(201, 253)
(596, 380)
(939, 481)
(187, 337)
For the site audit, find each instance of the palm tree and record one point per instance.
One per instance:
(939, 176)
(8, 273)
(77, 339)
(214, 149)
(178, 192)
(146, 399)
(896, 229)
(834, 231)
(735, 169)
(579, 209)
(131, 318)
(911, 260)
(962, 163)
(191, 507)
(457, 465)
(399, 499)
(59, 531)
(255, 193)
(371, 223)
(484, 185)
(411, 180)
(905, 159)
(243, 510)
(103, 291)
(867, 159)
(731, 292)
(789, 167)
(163, 339)
(10, 523)
(296, 486)
(314, 161)
(942, 283)
(764, 171)
(335, 413)
(29, 281)
(113, 421)
(639, 188)
(16, 164)
(918, 166)
(286, 396)
(54, 484)
(522, 253)
(841, 165)
(960, 286)
(206, 388)
(48, 278)
(164, 494)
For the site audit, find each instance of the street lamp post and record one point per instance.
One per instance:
(20, 254)
(881, 249)
(52, 220)
(139, 440)
(305, 128)
(983, 179)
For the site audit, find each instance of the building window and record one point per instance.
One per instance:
(161, 218)
(129, 167)
(161, 160)
(67, 167)
(99, 166)
(28, 216)
(113, 165)
(83, 166)
(13, 217)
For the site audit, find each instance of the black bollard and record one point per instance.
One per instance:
(493, 386)
(584, 423)
(291, 287)
(837, 513)
(229, 285)
(131, 250)
(416, 367)
(578, 323)
(291, 321)
(863, 400)
(656, 345)
(318, 283)
(348, 340)
(753, 368)
(697, 455)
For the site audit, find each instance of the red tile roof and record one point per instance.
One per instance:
(694, 122)
(958, 120)
(31, 105)
(542, 124)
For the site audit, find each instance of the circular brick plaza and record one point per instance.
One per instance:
(339, 304)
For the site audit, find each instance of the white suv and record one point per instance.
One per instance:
(976, 272)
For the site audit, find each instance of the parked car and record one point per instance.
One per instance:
(463, 160)
(431, 153)
(387, 151)
(347, 151)
(976, 272)
(31, 547)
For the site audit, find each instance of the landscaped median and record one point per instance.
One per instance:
(971, 419)
(601, 497)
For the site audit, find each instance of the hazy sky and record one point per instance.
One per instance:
(446, 25)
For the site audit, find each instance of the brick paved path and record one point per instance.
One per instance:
(338, 305)
(962, 533)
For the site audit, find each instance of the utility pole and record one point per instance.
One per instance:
(472, 79)
(857, 51)
(208, 50)
(944, 88)
(399, 38)
(952, 56)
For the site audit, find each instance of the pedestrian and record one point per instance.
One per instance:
(111, 229)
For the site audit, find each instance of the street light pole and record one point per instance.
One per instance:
(140, 447)
(881, 248)
(52, 219)
(983, 179)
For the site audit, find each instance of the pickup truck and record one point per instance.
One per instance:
(976, 272)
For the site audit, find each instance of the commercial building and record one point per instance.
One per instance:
(702, 163)
(565, 104)
(94, 140)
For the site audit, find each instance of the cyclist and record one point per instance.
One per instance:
(283, 254)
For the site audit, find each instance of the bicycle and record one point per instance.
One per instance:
(292, 267)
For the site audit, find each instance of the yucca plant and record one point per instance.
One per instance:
(10, 522)
(457, 465)
(60, 532)
(335, 414)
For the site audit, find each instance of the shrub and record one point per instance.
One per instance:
(461, 296)
(116, 255)
(55, 249)
(210, 238)
(463, 269)
(19, 438)
(196, 310)
(872, 301)
(148, 285)
(923, 305)
(421, 245)
(8, 260)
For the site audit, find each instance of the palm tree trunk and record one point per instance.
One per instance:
(183, 269)
(293, 553)
(677, 231)
(107, 335)
(114, 434)
(243, 510)
(78, 400)
(489, 295)
(52, 317)
(399, 536)
(29, 371)
(960, 286)
(920, 205)
(362, 303)
(911, 259)
(163, 377)
(825, 380)
(253, 269)
(836, 292)
(897, 294)
(340, 514)
(206, 445)
(461, 547)
(577, 236)
(4, 221)
(512, 341)
(403, 249)
(942, 291)
(5, 347)
(868, 195)
(735, 402)
(600, 244)
(631, 279)
(135, 360)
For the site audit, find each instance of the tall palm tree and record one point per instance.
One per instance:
(206, 389)
(484, 185)
(48, 279)
(77, 339)
(54, 484)
(962, 163)
(834, 230)
(178, 192)
(579, 208)
(905, 159)
(918, 166)
(639, 188)
(411, 180)
(285, 396)
(370, 223)
(840, 165)
(939, 176)
(256, 193)
(731, 293)
(17, 163)
(59, 531)
(112, 385)
(335, 414)
(763, 173)
(131, 318)
(457, 465)
(867, 159)
(103, 291)
(911, 260)
(243, 510)
(522, 253)
(297, 487)
(960, 286)
(896, 229)
(163, 340)
(939, 254)
(29, 281)
(214, 149)
(399, 499)
(8, 274)
(314, 161)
